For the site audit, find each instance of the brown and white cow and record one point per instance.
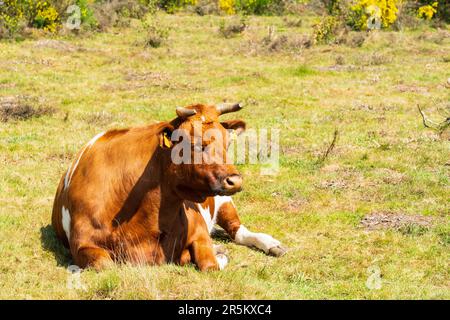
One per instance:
(123, 199)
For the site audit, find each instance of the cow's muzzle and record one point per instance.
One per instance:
(230, 184)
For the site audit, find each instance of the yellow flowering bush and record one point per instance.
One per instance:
(46, 17)
(227, 6)
(325, 30)
(33, 13)
(366, 14)
(11, 14)
(428, 11)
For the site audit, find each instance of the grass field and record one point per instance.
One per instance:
(385, 162)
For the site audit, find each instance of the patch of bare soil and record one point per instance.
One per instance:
(396, 221)
(60, 157)
(344, 178)
(99, 118)
(292, 150)
(390, 176)
(336, 184)
(145, 76)
(411, 88)
(57, 45)
(294, 205)
(21, 108)
(338, 67)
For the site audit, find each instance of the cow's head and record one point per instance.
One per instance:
(201, 140)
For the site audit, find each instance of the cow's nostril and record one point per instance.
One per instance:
(232, 182)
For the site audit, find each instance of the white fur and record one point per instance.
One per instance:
(66, 221)
(243, 236)
(206, 216)
(222, 260)
(259, 240)
(71, 169)
(218, 202)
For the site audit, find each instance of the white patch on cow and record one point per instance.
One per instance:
(203, 118)
(222, 260)
(259, 240)
(66, 221)
(206, 213)
(71, 169)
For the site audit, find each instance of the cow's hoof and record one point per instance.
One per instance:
(222, 260)
(277, 251)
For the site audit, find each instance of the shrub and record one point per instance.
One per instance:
(15, 14)
(260, 6)
(427, 11)
(11, 18)
(21, 108)
(325, 31)
(227, 6)
(372, 14)
(406, 16)
(111, 13)
(233, 28)
(45, 16)
(155, 35)
(203, 7)
(87, 16)
(171, 6)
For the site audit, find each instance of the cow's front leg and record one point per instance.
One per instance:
(228, 219)
(205, 257)
(91, 256)
(261, 241)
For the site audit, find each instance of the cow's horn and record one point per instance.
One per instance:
(183, 112)
(228, 107)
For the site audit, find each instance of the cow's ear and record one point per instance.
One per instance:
(237, 125)
(165, 136)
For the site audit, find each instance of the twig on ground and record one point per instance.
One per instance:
(330, 147)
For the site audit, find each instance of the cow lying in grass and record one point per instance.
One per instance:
(125, 200)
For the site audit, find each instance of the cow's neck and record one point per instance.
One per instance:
(150, 196)
(169, 204)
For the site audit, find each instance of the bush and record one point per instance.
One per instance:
(172, 6)
(325, 31)
(406, 16)
(44, 16)
(429, 9)
(87, 16)
(227, 6)
(261, 6)
(203, 7)
(50, 15)
(11, 18)
(377, 14)
(372, 14)
(233, 28)
(16, 14)
(112, 13)
(155, 34)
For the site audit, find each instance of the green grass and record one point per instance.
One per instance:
(384, 160)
